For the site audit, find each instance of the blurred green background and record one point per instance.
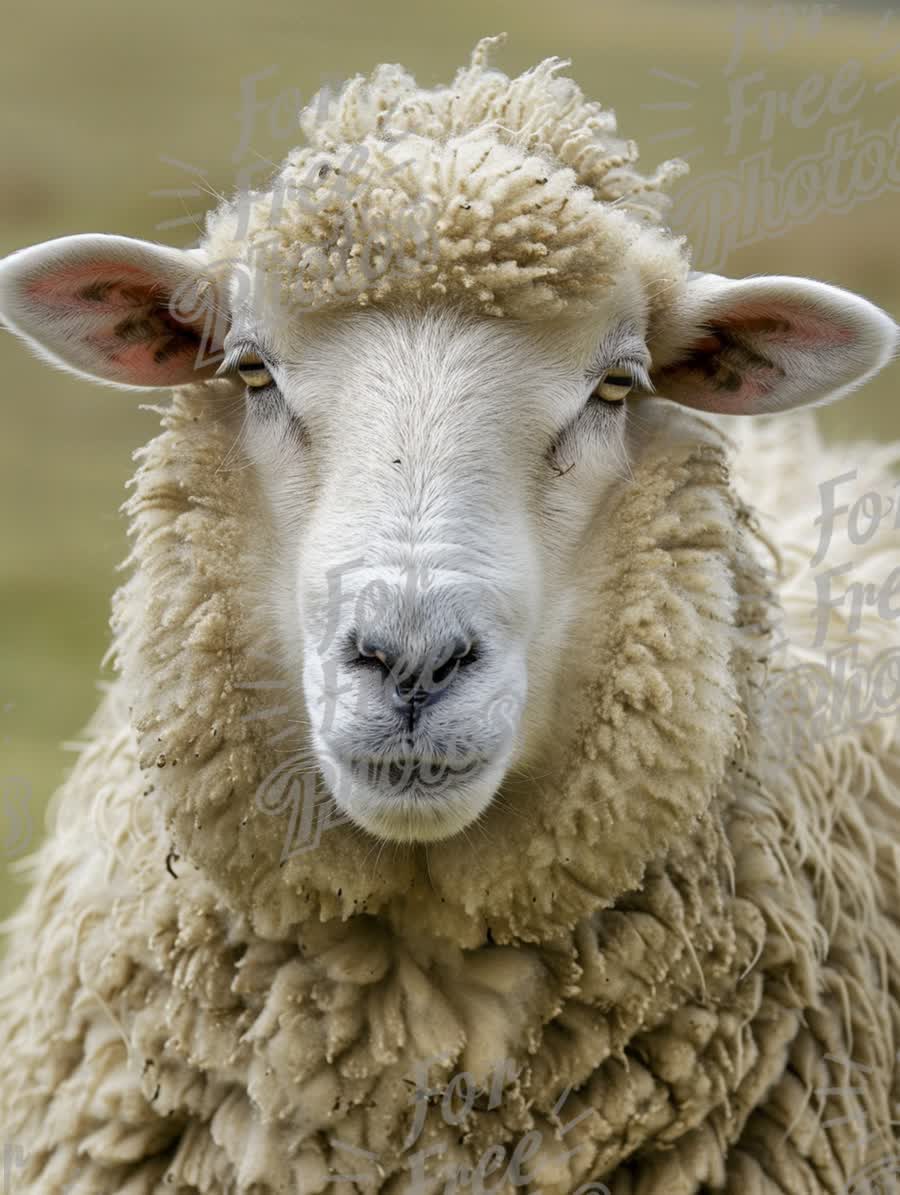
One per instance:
(102, 102)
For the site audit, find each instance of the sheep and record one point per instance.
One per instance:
(444, 556)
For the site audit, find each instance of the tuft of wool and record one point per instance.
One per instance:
(514, 197)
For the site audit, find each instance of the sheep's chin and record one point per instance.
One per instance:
(418, 812)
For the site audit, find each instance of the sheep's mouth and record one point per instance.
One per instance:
(407, 773)
(413, 797)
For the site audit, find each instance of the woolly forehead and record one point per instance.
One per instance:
(471, 221)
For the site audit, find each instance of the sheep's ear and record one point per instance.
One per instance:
(761, 345)
(123, 311)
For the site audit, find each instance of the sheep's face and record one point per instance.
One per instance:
(431, 480)
(435, 486)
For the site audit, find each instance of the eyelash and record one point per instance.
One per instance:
(635, 370)
(231, 366)
(265, 402)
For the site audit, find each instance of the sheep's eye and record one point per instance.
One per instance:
(254, 372)
(614, 386)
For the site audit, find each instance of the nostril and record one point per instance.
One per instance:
(466, 652)
(444, 671)
(370, 652)
(462, 653)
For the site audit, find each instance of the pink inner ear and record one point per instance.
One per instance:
(708, 379)
(121, 314)
(112, 284)
(734, 366)
(781, 322)
(756, 353)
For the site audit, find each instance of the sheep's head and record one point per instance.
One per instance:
(436, 480)
(438, 409)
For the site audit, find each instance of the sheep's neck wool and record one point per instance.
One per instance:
(676, 955)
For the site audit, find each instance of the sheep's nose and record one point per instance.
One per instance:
(416, 683)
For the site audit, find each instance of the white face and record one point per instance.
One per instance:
(431, 480)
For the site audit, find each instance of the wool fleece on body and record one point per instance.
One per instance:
(670, 963)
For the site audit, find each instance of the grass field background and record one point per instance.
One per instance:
(100, 103)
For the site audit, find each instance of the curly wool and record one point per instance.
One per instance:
(685, 942)
(511, 196)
